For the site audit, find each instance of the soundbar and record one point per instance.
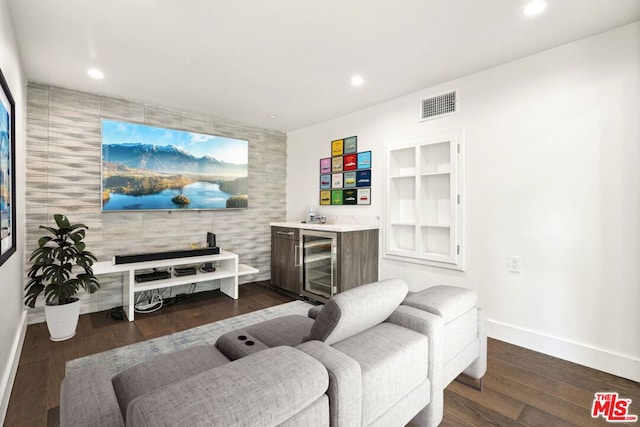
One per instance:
(154, 256)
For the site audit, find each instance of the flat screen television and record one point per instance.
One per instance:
(148, 168)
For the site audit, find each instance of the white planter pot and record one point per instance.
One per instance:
(62, 320)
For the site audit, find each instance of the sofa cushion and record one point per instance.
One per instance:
(263, 389)
(393, 361)
(87, 399)
(447, 302)
(358, 309)
(148, 376)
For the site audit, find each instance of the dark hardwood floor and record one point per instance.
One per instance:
(521, 387)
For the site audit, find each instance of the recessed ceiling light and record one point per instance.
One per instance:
(94, 73)
(357, 81)
(273, 116)
(534, 7)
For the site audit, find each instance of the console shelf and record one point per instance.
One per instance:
(227, 272)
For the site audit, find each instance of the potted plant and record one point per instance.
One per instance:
(61, 266)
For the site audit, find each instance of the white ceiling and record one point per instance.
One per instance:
(247, 59)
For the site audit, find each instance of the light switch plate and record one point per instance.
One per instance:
(514, 264)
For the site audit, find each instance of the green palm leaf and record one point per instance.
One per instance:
(52, 264)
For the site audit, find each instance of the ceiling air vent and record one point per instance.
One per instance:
(439, 106)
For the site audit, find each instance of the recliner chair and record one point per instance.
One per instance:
(385, 360)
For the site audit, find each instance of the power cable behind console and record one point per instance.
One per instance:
(150, 305)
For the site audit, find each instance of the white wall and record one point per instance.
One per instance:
(12, 314)
(552, 175)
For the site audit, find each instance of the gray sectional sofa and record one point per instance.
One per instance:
(280, 386)
(364, 358)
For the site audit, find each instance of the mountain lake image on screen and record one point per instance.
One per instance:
(151, 168)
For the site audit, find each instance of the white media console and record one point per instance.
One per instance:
(227, 271)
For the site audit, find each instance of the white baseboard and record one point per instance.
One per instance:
(9, 374)
(596, 358)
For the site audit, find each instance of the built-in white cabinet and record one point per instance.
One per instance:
(424, 201)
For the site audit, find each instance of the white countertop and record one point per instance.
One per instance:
(326, 227)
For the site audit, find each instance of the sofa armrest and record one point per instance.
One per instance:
(239, 343)
(87, 399)
(432, 326)
(345, 383)
(314, 311)
(265, 389)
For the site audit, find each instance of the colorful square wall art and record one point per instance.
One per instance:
(336, 164)
(363, 178)
(325, 182)
(349, 163)
(345, 177)
(349, 197)
(336, 180)
(349, 180)
(350, 145)
(364, 196)
(364, 160)
(325, 165)
(337, 147)
(336, 197)
(325, 197)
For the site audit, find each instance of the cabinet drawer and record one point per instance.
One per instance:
(285, 233)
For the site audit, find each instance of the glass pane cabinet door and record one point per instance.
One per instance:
(318, 264)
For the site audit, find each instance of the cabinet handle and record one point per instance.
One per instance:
(296, 262)
(285, 233)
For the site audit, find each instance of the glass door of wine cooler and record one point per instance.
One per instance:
(318, 261)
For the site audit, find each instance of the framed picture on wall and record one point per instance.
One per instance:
(350, 145)
(325, 182)
(364, 196)
(336, 180)
(325, 197)
(364, 160)
(337, 147)
(8, 238)
(349, 162)
(349, 197)
(336, 164)
(336, 197)
(349, 179)
(363, 178)
(325, 165)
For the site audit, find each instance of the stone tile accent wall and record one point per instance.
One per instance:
(63, 176)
